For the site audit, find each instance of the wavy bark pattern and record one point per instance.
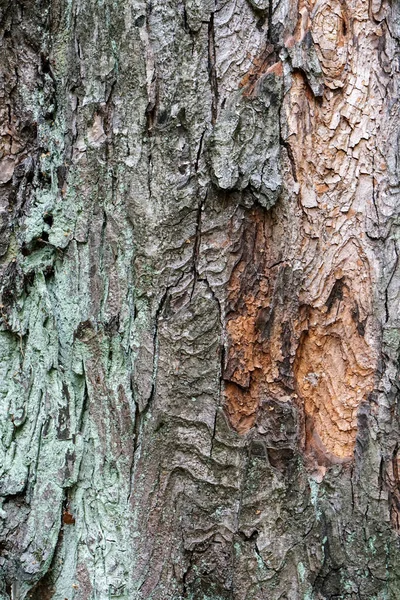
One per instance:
(199, 278)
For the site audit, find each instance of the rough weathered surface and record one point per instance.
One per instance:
(199, 335)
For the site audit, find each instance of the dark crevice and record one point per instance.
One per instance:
(85, 404)
(198, 156)
(153, 104)
(374, 191)
(318, 97)
(212, 69)
(336, 294)
(269, 17)
(292, 161)
(186, 25)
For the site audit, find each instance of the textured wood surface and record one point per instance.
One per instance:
(199, 335)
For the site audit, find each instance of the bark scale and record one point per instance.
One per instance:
(199, 299)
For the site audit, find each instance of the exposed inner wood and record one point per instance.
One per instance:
(334, 371)
(256, 354)
(333, 142)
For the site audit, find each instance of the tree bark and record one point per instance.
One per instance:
(199, 334)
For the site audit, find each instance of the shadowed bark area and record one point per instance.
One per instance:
(199, 280)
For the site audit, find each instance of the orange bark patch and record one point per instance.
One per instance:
(241, 406)
(263, 64)
(276, 69)
(335, 157)
(314, 333)
(279, 348)
(334, 371)
(68, 518)
(258, 335)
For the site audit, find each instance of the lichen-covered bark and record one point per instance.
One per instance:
(199, 335)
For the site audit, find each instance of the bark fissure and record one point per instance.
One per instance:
(212, 69)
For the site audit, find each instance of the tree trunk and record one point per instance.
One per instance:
(200, 331)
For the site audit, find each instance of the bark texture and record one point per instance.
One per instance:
(200, 294)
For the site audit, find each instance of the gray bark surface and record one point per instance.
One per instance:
(199, 319)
